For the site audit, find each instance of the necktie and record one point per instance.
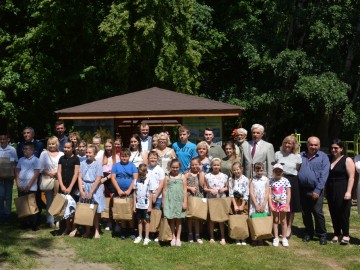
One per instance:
(253, 150)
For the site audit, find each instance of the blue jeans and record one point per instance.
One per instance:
(49, 198)
(6, 187)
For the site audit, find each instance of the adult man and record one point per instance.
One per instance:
(28, 135)
(60, 134)
(241, 134)
(215, 150)
(313, 174)
(146, 140)
(257, 150)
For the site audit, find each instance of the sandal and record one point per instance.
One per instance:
(212, 241)
(73, 233)
(335, 240)
(345, 241)
(223, 242)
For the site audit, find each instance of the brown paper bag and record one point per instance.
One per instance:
(155, 219)
(165, 231)
(238, 227)
(7, 168)
(122, 209)
(85, 213)
(26, 205)
(261, 227)
(219, 209)
(106, 212)
(197, 208)
(58, 207)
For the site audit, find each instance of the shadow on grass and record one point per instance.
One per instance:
(15, 243)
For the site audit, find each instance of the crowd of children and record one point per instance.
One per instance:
(142, 175)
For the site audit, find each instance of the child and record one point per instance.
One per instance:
(279, 201)
(123, 176)
(68, 172)
(195, 182)
(184, 150)
(216, 186)
(202, 148)
(259, 193)
(143, 204)
(174, 200)
(90, 175)
(10, 158)
(239, 193)
(82, 150)
(27, 173)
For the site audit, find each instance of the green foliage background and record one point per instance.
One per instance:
(293, 64)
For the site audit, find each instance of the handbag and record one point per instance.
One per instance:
(58, 206)
(106, 212)
(219, 209)
(155, 219)
(85, 213)
(26, 205)
(261, 227)
(122, 208)
(47, 182)
(6, 168)
(238, 227)
(165, 231)
(197, 208)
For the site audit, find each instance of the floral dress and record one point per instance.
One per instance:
(216, 181)
(259, 185)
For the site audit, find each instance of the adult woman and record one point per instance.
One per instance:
(165, 153)
(49, 160)
(202, 148)
(338, 190)
(289, 157)
(118, 146)
(137, 155)
(230, 159)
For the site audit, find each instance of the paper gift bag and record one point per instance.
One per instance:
(106, 212)
(155, 219)
(165, 231)
(58, 206)
(261, 227)
(26, 205)
(6, 168)
(219, 209)
(238, 227)
(122, 209)
(85, 213)
(197, 208)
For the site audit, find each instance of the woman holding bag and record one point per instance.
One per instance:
(49, 160)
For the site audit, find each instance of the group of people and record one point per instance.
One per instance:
(160, 175)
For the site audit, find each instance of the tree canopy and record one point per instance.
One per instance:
(293, 64)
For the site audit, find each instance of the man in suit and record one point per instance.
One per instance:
(146, 140)
(257, 150)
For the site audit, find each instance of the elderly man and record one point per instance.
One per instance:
(28, 136)
(257, 150)
(241, 134)
(215, 150)
(313, 174)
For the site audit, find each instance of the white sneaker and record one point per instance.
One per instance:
(285, 242)
(200, 241)
(137, 240)
(243, 243)
(146, 241)
(276, 242)
(238, 242)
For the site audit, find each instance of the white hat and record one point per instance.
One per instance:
(278, 166)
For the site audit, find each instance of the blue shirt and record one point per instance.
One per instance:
(184, 152)
(314, 172)
(124, 174)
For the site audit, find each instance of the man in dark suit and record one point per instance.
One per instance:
(257, 150)
(146, 140)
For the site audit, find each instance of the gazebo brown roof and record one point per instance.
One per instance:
(150, 103)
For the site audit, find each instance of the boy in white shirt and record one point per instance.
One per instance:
(142, 203)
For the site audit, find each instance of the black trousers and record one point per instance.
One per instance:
(310, 208)
(338, 207)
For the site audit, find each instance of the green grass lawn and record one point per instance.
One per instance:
(21, 249)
